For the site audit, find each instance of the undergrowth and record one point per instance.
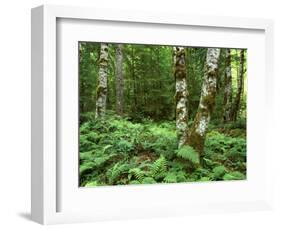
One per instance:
(116, 151)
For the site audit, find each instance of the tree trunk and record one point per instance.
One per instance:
(119, 80)
(101, 92)
(181, 94)
(227, 87)
(197, 135)
(240, 80)
(135, 105)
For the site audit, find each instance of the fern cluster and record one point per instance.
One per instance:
(116, 151)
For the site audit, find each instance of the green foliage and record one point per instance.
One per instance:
(234, 176)
(140, 147)
(91, 184)
(188, 153)
(171, 177)
(137, 173)
(86, 168)
(159, 167)
(117, 151)
(219, 172)
(148, 180)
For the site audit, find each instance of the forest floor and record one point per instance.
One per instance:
(116, 151)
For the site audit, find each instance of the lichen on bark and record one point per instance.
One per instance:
(181, 94)
(101, 92)
(198, 130)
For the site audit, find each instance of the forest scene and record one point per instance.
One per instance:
(161, 114)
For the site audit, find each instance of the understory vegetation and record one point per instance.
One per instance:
(116, 150)
(161, 114)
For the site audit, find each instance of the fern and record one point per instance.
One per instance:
(99, 161)
(116, 151)
(205, 179)
(137, 173)
(234, 176)
(188, 153)
(117, 170)
(159, 166)
(86, 168)
(91, 184)
(134, 182)
(170, 178)
(219, 171)
(86, 156)
(148, 180)
(181, 176)
(105, 148)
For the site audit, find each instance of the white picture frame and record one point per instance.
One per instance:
(48, 175)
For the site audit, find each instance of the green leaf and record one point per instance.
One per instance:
(106, 148)
(234, 176)
(159, 166)
(171, 178)
(188, 153)
(91, 184)
(148, 180)
(86, 168)
(219, 172)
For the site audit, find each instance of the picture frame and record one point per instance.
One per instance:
(57, 199)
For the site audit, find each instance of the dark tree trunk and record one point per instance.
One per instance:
(237, 101)
(227, 103)
(119, 80)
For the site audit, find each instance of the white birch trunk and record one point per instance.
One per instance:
(102, 82)
(181, 94)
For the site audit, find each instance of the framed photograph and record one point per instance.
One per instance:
(143, 114)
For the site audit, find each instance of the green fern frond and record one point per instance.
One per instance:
(188, 153)
(148, 180)
(91, 184)
(159, 166)
(170, 178)
(86, 168)
(137, 173)
(134, 182)
(205, 179)
(117, 170)
(105, 148)
(234, 176)
(86, 156)
(219, 172)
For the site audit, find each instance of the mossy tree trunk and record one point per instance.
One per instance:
(101, 92)
(181, 94)
(119, 80)
(227, 103)
(237, 101)
(198, 130)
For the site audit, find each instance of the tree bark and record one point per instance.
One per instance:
(101, 92)
(181, 95)
(227, 87)
(197, 135)
(240, 80)
(119, 80)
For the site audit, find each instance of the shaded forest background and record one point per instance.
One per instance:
(136, 139)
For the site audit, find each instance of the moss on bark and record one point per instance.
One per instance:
(199, 128)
